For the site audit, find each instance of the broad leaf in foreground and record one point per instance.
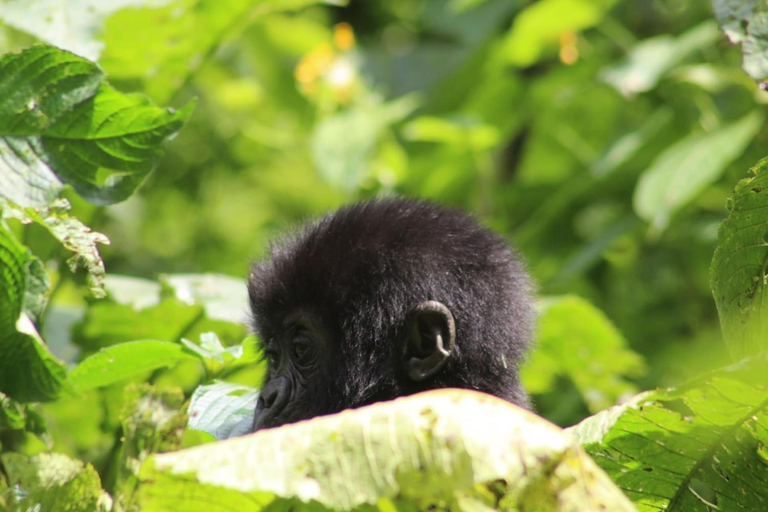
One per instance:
(443, 450)
(740, 266)
(61, 124)
(696, 448)
(28, 371)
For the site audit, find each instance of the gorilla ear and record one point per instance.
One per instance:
(431, 337)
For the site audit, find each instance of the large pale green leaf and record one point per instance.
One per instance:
(745, 22)
(443, 450)
(576, 340)
(700, 447)
(125, 360)
(60, 124)
(28, 371)
(74, 25)
(740, 266)
(687, 167)
(52, 481)
(223, 297)
(223, 409)
(151, 48)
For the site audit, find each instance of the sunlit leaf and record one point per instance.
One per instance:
(125, 360)
(223, 409)
(649, 60)
(52, 481)
(687, 167)
(740, 267)
(576, 340)
(74, 25)
(693, 448)
(60, 124)
(73, 235)
(456, 450)
(745, 22)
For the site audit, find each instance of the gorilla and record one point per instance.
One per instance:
(385, 298)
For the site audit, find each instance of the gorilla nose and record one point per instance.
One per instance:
(271, 403)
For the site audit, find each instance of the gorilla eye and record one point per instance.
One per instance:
(273, 358)
(301, 348)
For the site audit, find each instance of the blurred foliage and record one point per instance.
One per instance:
(602, 138)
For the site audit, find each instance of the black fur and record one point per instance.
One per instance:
(358, 272)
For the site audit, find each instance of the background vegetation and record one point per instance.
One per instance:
(602, 138)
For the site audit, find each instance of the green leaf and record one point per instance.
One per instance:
(449, 450)
(73, 235)
(740, 267)
(28, 371)
(74, 25)
(151, 48)
(60, 124)
(679, 449)
(687, 167)
(223, 297)
(576, 340)
(223, 409)
(540, 25)
(651, 59)
(123, 361)
(52, 481)
(745, 22)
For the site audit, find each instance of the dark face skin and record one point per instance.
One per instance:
(298, 356)
(387, 298)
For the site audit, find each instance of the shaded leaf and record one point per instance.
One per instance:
(691, 448)
(60, 124)
(740, 266)
(456, 450)
(28, 371)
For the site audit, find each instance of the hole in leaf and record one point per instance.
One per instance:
(703, 492)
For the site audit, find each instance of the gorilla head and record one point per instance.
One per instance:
(387, 298)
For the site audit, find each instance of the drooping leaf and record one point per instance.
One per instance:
(73, 235)
(223, 409)
(456, 450)
(61, 124)
(740, 267)
(125, 360)
(687, 167)
(745, 22)
(28, 371)
(577, 341)
(695, 448)
(52, 481)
